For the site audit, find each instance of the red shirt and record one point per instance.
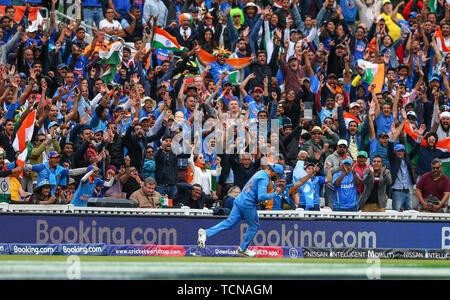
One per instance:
(360, 172)
(429, 186)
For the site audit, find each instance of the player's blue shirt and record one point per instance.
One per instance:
(69, 98)
(85, 191)
(345, 195)
(58, 176)
(255, 190)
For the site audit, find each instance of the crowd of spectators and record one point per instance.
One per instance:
(295, 83)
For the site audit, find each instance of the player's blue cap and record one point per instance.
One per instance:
(90, 168)
(347, 161)
(53, 154)
(278, 168)
(399, 147)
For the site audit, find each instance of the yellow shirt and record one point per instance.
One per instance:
(394, 29)
(14, 186)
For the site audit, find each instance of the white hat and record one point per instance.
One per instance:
(353, 104)
(342, 142)
(411, 113)
(445, 114)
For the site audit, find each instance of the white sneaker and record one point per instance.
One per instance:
(247, 252)
(201, 238)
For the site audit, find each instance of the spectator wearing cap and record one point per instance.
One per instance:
(292, 71)
(394, 29)
(333, 161)
(42, 194)
(52, 171)
(379, 144)
(376, 178)
(402, 177)
(345, 183)
(288, 170)
(361, 165)
(284, 200)
(309, 187)
(257, 101)
(317, 146)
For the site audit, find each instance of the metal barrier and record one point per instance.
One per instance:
(295, 214)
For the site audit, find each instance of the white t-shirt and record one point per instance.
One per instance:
(105, 23)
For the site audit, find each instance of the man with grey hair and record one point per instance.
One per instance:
(146, 196)
(433, 189)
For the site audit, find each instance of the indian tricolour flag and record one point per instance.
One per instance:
(163, 40)
(111, 59)
(373, 73)
(23, 137)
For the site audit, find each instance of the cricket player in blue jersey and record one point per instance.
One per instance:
(87, 186)
(246, 206)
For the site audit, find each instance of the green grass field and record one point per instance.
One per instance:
(126, 267)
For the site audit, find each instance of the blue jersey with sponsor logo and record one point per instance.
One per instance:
(345, 195)
(255, 190)
(85, 190)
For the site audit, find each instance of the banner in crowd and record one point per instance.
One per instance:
(158, 230)
(20, 11)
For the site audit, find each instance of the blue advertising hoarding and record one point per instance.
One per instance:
(155, 230)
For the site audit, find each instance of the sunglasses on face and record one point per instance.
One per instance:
(316, 133)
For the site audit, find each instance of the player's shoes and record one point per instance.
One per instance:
(247, 252)
(201, 238)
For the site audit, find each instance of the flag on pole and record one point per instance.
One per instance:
(111, 59)
(373, 73)
(23, 137)
(163, 40)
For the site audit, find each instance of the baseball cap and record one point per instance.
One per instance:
(347, 161)
(316, 128)
(340, 46)
(293, 30)
(278, 168)
(292, 57)
(402, 66)
(143, 119)
(90, 168)
(61, 66)
(258, 89)
(435, 77)
(53, 154)
(353, 104)
(53, 123)
(411, 113)
(307, 164)
(413, 14)
(22, 75)
(342, 142)
(331, 75)
(363, 153)
(383, 134)
(386, 2)
(399, 147)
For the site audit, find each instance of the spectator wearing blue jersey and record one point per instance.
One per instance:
(345, 183)
(256, 101)
(245, 206)
(309, 186)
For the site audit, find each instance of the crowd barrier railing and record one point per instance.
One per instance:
(299, 213)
